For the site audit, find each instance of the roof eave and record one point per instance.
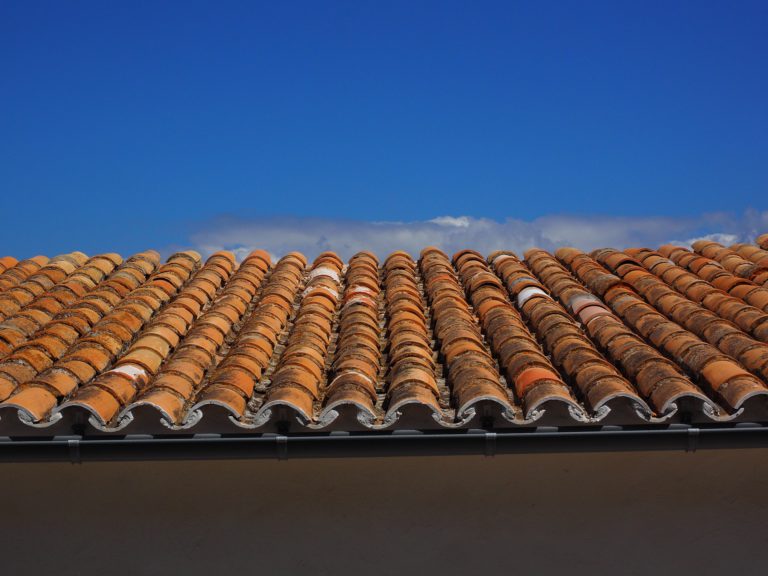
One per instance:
(77, 449)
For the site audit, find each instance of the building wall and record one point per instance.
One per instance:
(618, 513)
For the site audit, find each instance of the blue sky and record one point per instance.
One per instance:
(126, 125)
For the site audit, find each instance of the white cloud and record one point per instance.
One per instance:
(719, 237)
(451, 233)
(460, 222)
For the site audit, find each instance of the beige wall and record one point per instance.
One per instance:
(632, 513)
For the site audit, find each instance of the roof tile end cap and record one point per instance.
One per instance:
(432, 250)
(533, 251)
(567, 253)
(259, 254)
(192, 255)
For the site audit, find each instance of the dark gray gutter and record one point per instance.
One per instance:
(403, 443)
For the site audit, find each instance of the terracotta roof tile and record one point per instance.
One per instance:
(133, 371)
(354, 377)
(680, 345)
(659, 380)
(42, 309)
(753, 253)
(55, 335)
(13, 275)
(130, 314)
(598, 383)
(299, 378)
(35, 284)
(7, 262)
(536, 382)
(632, 337)
(471, 371)
(720, 278)
(707, 325)
(748, 318)
(231, 383)
(732, 261)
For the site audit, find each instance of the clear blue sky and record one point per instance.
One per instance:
(127, 124)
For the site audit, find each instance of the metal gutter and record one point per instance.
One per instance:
(77, 449)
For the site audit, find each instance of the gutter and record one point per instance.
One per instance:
(77, 449)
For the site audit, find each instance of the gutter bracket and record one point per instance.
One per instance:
(490, 444)
(693, 440)
(281, 443)
(74, 451)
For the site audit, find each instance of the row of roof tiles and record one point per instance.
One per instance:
(641, 336)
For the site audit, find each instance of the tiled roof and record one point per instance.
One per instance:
(103, 345)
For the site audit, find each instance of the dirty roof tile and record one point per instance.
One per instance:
(637, 337)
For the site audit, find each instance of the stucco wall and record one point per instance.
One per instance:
(629, 513)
